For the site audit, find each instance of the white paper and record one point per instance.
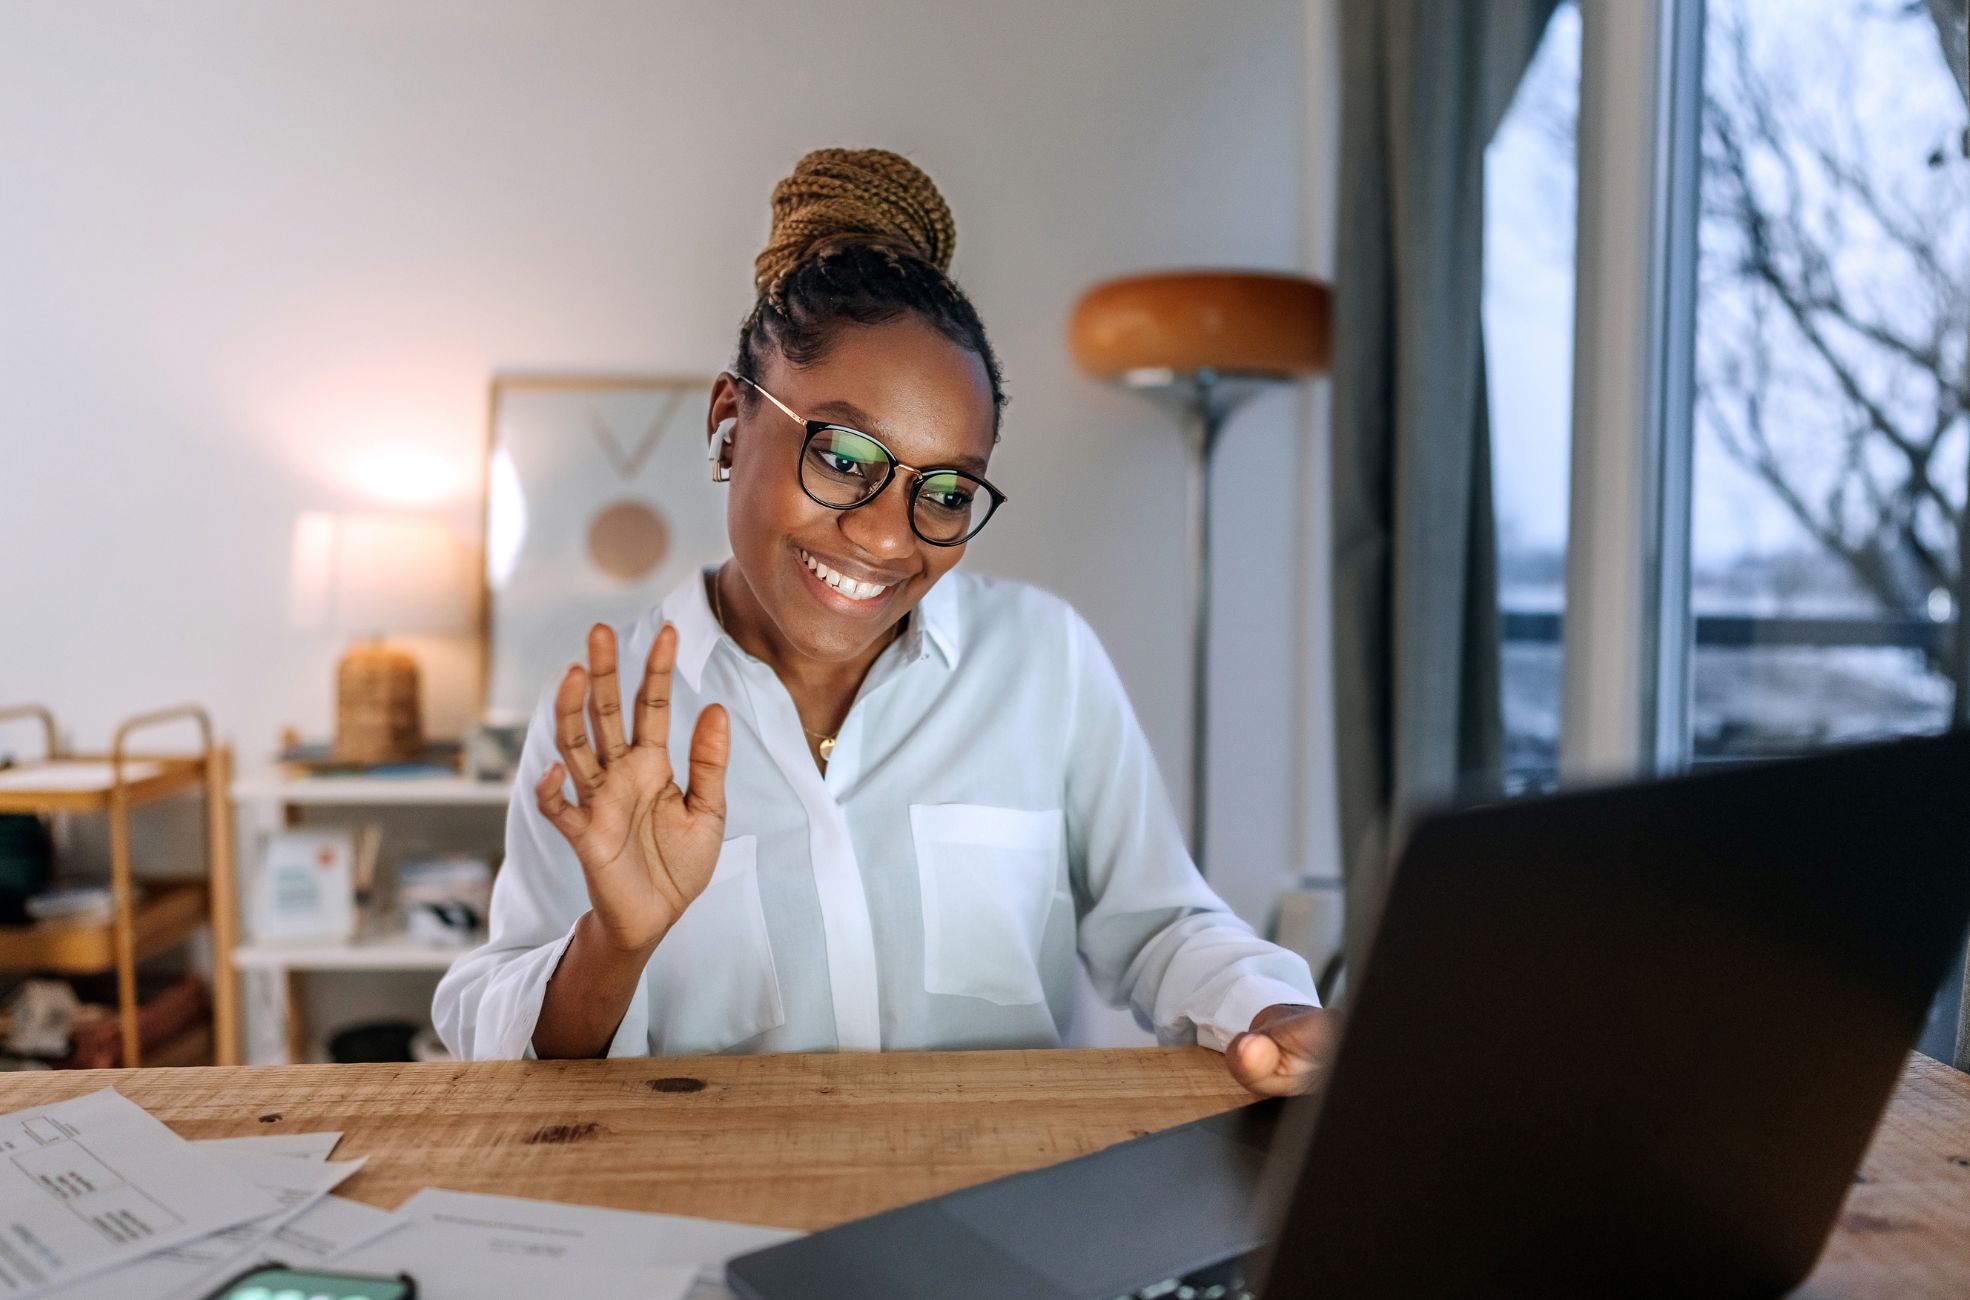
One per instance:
(94, 1182)
(607, 1236)
(450, 1262)
(305, 1146)
(197, 1266)
(443, 1226)
(328, 1228)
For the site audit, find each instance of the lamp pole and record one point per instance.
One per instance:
(1203, 400)
(1201, 428)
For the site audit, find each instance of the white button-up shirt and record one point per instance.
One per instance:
(990, 814)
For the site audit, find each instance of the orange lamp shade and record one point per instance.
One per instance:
(1233, 322)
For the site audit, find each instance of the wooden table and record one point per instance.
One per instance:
(809, 1141)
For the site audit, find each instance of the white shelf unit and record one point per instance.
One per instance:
(370, 791)
(270, 800)
(394, 953)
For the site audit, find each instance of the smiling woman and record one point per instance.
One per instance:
(915, 797)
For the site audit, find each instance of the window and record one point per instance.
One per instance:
(1832, 414)
(1530, 188)
(1831, 434)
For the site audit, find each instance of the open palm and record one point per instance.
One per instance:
(646, 847)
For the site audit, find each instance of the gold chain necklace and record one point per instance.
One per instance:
(827, 745)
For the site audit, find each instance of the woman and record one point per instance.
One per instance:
(913, 795)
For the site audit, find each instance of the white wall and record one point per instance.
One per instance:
(256, 259)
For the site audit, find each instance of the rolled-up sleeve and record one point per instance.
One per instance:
(1153, 934)
(487, 1004)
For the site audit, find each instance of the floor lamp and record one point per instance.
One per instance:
(1200, 344)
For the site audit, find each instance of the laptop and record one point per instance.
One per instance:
(1627, 1041)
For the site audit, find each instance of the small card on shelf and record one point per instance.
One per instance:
(306, 887)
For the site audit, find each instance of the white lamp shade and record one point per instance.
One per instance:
(368, 575)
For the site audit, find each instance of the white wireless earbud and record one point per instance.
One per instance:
(720, 437)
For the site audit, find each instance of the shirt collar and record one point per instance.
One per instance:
(935, 620)
(688, 609)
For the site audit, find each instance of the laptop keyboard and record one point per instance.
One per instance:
(1224, 1282)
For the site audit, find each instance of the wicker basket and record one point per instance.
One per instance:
(377, 716)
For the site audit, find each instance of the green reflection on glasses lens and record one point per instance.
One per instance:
(842, 467)
(838, 449)
(949, 494)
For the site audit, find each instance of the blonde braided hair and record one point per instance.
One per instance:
(839, 197)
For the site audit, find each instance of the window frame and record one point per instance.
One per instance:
(1625, 652)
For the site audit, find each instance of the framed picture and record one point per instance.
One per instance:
(599, 500)
(305, 890)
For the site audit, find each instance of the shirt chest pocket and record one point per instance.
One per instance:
(712, 978)
(989, 878)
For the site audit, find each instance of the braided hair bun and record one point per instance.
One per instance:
(860, 237)
(838, 197)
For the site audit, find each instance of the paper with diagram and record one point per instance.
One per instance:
(94, 1182)
(193, 1269)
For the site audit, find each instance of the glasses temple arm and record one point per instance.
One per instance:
(769, 397)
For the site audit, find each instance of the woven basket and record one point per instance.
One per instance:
(377, 718)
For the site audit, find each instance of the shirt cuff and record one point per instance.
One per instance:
(1247, 998)
(527, 1015)
(632, 1036)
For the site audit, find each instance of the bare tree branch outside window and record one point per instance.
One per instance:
(1834, 350)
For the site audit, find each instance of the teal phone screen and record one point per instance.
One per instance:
(306, 1284)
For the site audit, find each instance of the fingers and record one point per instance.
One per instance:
(604, 694)
(1283, 1056)
(571, 731)
(1251, 1058)
(711, 750)
(1257, 1063)
(569, 819)
(653, 695)
(1303, 1036)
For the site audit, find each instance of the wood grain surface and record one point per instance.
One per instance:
(809, 1141)
(1905, 1229)
(792, 1141)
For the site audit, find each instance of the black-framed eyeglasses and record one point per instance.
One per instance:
(842, 468)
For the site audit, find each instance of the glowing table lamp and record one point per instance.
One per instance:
(367, 575)
(1200, 344)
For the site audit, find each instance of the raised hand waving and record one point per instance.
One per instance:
(647, 848)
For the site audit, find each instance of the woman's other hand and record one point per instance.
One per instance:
(646, 847)
(1281, 1054)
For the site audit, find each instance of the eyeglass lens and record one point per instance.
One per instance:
(844, 469)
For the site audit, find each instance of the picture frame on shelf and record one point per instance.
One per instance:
(597, 502)
(306, 888)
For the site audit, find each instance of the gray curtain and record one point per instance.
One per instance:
(1415, 615)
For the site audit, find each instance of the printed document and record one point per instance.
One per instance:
(330, 1227)
(444, 1227)
(193, 1269)
(448, 1264)
(94, 1182)
(306, 1146)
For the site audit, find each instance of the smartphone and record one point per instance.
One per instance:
(277, 1283)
